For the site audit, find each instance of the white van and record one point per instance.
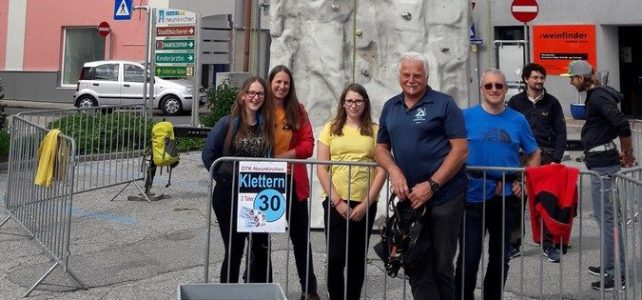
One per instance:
(117, 82)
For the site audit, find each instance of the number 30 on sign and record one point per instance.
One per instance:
(261, 196)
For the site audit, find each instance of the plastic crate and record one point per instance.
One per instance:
(231, 291)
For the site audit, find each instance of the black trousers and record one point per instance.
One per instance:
(298, 220)
(346, 239)
(225, 204)
(498, 224)
(433, 277)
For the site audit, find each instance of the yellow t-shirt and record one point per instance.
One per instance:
(351, 146)
(282, 133)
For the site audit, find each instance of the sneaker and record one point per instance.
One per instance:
(609, 283)
(514, 252)
(595, 271)
(552, 254)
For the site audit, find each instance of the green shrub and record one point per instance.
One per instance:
(220, 102)
(4, 145)
(104, 133)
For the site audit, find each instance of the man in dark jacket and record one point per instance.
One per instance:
(546, 119)
(604, 122)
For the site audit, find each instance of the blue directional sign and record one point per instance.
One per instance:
(123, 10)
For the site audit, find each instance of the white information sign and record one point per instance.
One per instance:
(261, 196)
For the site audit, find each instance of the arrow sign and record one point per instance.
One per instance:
(175, 45)
(164, 71)
(174, 58)
(175, 31)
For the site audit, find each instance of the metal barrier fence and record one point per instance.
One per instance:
(110, 155)
(636, 136)
(531, 275)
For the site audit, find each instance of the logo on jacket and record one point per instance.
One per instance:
(420, 115)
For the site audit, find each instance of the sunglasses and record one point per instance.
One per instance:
(498, 86)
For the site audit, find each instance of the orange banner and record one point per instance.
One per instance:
(554, 46)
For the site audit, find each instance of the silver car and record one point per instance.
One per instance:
(117, 82)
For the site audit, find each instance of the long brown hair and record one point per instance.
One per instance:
(365, 118)
(291, 101)
(265, 113)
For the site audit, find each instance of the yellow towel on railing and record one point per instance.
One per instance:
(47, 158)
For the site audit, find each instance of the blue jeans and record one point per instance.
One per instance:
(606, 224)
(471, 244)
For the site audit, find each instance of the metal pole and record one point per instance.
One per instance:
(196, 93)
(152, 51)
(527, 48)
(147, 68)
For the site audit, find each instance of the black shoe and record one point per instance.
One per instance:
(552, 254)
(514, 252)
(609, 283)
(310, 296)
(595, 271)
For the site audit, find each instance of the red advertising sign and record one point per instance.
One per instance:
(554, 46)
(524, 10)
(175, 31)
(103, 29)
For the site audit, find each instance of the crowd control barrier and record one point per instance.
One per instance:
(531, 275)
(111, 155)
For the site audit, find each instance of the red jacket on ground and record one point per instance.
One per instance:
(552, 198)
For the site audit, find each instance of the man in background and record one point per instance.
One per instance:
(604, 122)
(546, 119)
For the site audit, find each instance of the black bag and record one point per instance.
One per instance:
(400, 244)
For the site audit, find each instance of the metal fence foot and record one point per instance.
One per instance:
(121, 190)
(41, 279)
(5, 221)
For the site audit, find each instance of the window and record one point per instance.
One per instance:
(80, 45)
(134, 73)
(107, 72)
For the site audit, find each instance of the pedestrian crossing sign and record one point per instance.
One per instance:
(123, 10)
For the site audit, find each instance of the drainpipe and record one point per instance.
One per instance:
(248, 31)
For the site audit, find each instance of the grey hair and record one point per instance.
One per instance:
(491, 71)
(414, 56)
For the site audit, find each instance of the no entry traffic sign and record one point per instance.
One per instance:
(524, 10)
(103, 29)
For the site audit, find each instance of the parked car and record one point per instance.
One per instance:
(117, 82)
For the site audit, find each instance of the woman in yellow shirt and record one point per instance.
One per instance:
(351, 191)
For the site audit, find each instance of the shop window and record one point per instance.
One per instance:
(80, 45)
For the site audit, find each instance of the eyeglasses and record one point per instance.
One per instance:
(251, 94)
(350, 102)
(498, 86)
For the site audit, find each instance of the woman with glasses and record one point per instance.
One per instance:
(247, 132)
(350, 192)
(293, 138)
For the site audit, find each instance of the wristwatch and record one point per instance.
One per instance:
(434, 186)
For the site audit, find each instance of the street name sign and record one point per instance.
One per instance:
(175, 58)
(168, 44)
(175, 31)
(173, 71)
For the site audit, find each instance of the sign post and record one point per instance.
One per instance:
(525, 11)
(176, 50)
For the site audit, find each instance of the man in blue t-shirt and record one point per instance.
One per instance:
(495, 136)
(425, 131)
